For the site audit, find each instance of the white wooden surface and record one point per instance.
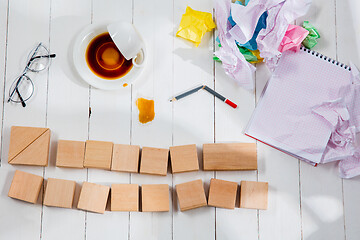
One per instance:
(304, 202)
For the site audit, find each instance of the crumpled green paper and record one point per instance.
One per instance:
(250, 56)
(194, 24)
(310, 40)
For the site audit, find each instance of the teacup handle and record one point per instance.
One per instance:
(139, 57)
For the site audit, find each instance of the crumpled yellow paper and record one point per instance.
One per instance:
(194, 24)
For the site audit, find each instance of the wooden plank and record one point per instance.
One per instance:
(229, 125)
(153, 19)
(316, 213)
(68, 111)
(23, 16)
(348, 49)
(193, 118)
(229, 156)
(110, 121)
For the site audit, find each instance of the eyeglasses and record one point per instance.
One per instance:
(22, 89)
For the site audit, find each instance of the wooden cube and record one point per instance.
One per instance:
(222, 193)
(229, 156)
(70, 154)
(254, 195)
(125, 197)
(98, 154)
(93, 197)
(25, 186)
(154, 161)
(125, 158)
(59, 193)
(191, 195)
(29, 146)
(155, 198)
(184, 158)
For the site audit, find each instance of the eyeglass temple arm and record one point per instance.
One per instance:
(37, 57)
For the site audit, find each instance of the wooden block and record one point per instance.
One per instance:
(70, 154)
(229, 156)
(125, 158)
(125, 197)
(155, 198)
(222, 193)
(29, 146)
(254, 195)
(93, 197)
(154, 161)
(98, 154)
(184, 158)
(191, 195)
(59, 193)
(25, 186)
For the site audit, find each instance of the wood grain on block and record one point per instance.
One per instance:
(59, 193)
(98, 154)
(229, 156)
(70, 154)
(222, 193)
(155, 198)
(25, 186)
(125, 197)
(184, 158)
(125, 158)
(154, 161)
(29, 146)
(93, 197)
(254, 195)
(191, 195)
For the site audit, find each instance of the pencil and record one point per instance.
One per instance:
(222, 98)
(187, 93)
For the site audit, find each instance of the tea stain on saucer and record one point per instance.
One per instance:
(146, 110)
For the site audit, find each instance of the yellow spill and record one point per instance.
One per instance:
(125, 85)
(146, 110)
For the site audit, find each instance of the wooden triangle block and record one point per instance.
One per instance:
(29, 146)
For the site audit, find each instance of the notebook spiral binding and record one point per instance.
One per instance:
(342, 65)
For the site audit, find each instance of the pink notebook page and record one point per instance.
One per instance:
(283, 117)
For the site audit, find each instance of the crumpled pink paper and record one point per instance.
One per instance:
(293, 38)
(233, 61)
(279, 17)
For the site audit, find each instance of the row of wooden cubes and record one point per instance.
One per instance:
(125, 197)
(30, 146)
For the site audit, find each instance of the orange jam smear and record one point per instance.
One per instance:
(146, 110)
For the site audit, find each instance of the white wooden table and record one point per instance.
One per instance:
(304, 202)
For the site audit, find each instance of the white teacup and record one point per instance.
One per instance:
(128, 41)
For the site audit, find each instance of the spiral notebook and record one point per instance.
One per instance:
(284, 117)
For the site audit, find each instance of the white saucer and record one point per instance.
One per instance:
(80, 45)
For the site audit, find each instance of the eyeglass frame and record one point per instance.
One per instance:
(24, 75)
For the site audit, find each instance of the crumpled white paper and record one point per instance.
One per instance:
(280, 14)
(233, 61)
